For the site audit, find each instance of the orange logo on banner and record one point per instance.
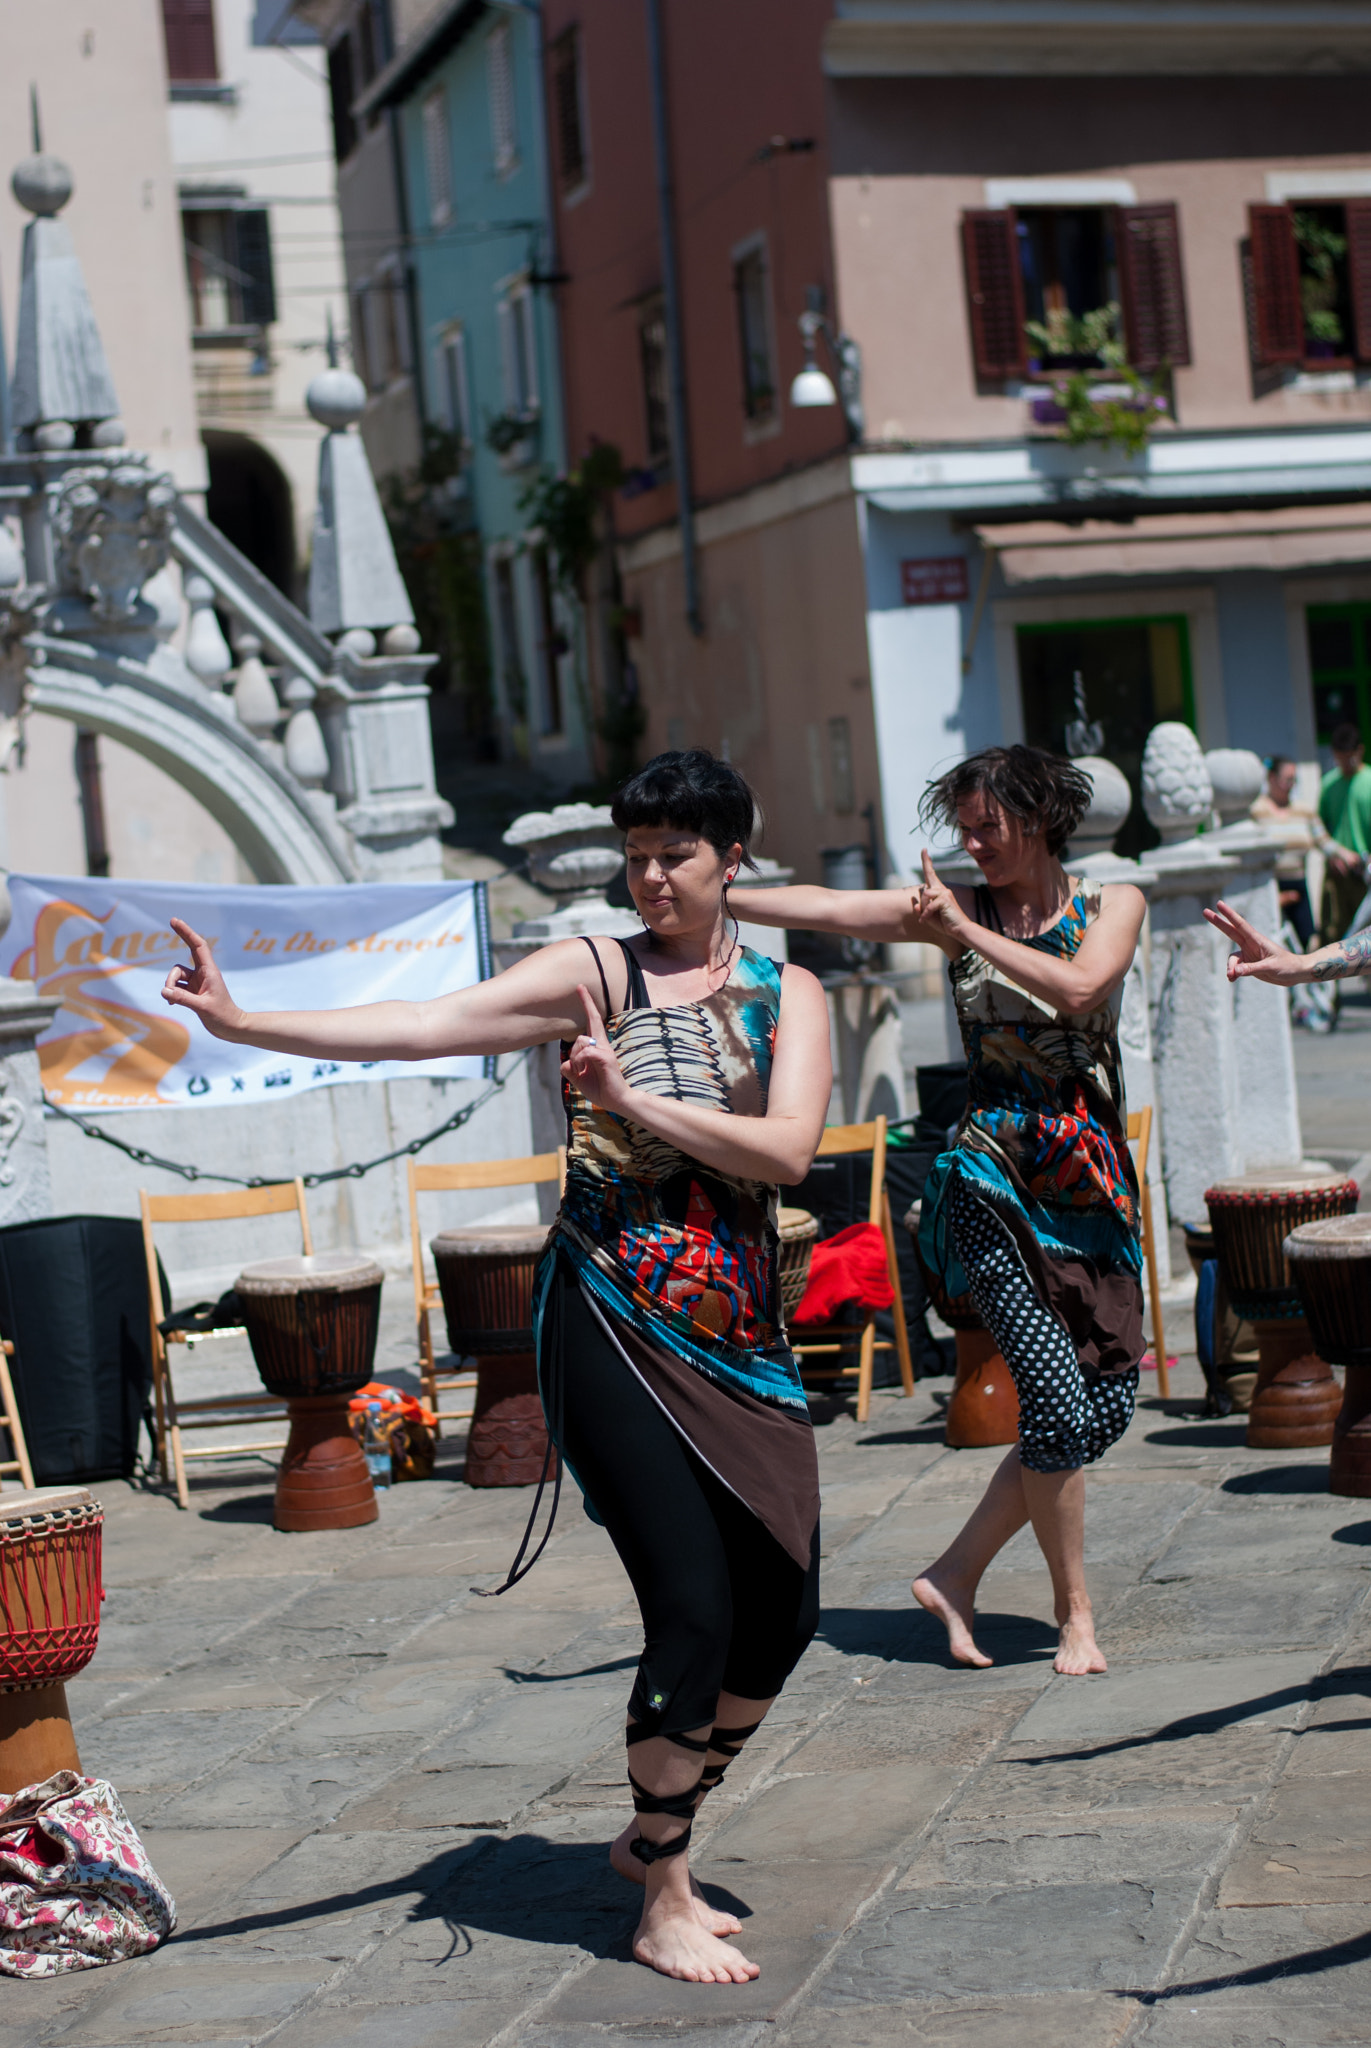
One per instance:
(152, 1045)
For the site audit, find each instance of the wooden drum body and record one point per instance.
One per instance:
(312, 1325)
(485, 1276)
(984, 1408)
(1297, 1399)
(1331, 1262)
(797, 1231)
(49, 1625)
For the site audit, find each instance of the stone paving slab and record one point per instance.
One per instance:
(383, 1803)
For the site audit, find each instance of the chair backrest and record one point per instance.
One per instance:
(841, 1138)
(534, 1171)
(279, 1199)
(1140, 1134)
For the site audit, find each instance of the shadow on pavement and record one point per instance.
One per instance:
(1280, 1479)
(1311, 1962)
(909, 1636)
(1355, 1532)
(1204, 1435)
(1354, 1683)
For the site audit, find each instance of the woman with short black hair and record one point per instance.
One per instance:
(695, 1077)
(1034, 1210)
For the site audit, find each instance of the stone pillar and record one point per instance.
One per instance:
(25, 1184)
(867, 1048)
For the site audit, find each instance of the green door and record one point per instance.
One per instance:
(1340, 659)
(1136, 673)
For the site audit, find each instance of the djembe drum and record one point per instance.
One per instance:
(312, 1325)
(1331, 1262)
(486, 1280)
(796, 1231)
(1296, 1399)
(49, 1625)
(984, 1408)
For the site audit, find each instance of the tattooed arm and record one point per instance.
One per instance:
(1267, 961)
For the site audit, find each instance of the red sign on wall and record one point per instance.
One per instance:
(937, 579)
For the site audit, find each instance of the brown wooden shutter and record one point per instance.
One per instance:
(189, 30)
(1152, 285)
(994, 289)
(1276, 286)
(1358, 213)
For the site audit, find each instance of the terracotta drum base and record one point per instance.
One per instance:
(984, 1408)
(1349, 1461)
(1297, 1399)
(35, 1737)
(323, 1482)
(508, 1441)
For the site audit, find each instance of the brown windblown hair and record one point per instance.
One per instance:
(1047, 793)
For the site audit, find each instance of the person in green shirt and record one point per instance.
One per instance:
(1345, 808)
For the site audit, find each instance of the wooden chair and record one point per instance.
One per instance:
(535, 1171)
(172, 1415)
(1140, 1134)
(838, 1338)
(9, 1418)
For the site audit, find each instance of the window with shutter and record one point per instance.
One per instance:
(1152, 286)
(566, 99)
(257, 289)
(340, 93)
(188, 26)
(437, 158)
(500, 90)
(1276, 286)
(1359, 275)
(995, 297)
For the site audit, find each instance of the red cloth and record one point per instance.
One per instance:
(390, 1399)
(850, 1266)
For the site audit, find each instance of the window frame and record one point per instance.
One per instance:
(250, 292)
(436, 136)
(516, 313)
(500, 101)
(454, 381)
(571, 43)
(759, 421)
(652, 313)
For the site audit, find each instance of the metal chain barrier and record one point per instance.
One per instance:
(311, 1180)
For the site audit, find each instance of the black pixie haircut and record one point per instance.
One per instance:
(695, 792)
(1047, 793)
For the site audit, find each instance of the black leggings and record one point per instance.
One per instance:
(723, 1605)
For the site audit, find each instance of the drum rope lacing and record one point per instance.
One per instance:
(355, 1171)
(38, 1646)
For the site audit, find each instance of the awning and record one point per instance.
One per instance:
(1180, 543)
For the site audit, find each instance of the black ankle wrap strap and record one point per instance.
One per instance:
(727, 1742)
(678, 1805)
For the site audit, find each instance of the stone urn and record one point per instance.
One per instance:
(1177, 793)
(1109, 807)
(574, 851)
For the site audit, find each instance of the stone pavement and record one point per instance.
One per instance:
(383, 1803)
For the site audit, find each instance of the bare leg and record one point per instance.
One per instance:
(731, 1712)
(1056, 1503)
(948, 1588)
(670, 1936)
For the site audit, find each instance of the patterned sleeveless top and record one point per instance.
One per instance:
(682, 1251)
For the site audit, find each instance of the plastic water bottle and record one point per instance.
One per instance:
(375, 1448)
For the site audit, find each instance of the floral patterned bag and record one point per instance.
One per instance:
(76, 1886)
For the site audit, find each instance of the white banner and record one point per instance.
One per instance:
(104, 948)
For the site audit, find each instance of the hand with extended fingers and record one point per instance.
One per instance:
(201, 987)
(935, 904)
(592, 1065)
(1257, 955)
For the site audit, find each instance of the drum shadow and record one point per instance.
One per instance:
(244, 1509)
(1355, 1532)
(909, 1636)
(931, 1433)
(524, 1888)
(1224, 1435)
(1280, 1479)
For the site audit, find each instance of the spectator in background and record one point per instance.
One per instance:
(1302, 830)
(1345, 809)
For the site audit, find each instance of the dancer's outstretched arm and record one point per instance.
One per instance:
(1267, 960)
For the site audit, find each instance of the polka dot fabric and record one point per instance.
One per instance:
(1065, 1420)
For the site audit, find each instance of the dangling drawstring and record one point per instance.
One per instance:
(556, 1378)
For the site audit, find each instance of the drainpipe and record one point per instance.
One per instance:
(671, 298)
(417, 339)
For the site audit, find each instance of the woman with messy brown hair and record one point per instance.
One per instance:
(1034, 1210)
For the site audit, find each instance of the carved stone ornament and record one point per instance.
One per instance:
(1177, 793)
(112, 529)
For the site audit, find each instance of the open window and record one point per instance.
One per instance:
(752, 291)
(1311, 284)
(228, 268)
(1048, 285)
(652, 356)
(568, 101)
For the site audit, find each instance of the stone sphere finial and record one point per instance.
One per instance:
(1238, 777)
(1177, 793)
(336, 398)
(42, 184)
(1109, 807)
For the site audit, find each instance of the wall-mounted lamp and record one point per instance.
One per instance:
(813, 386)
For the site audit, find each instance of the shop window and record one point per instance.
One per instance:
(752, 290)
(1135, 672)
(1070, 271)
(652, 355)
(1340, 665)
(568, 101)
(188, 29)
(228, 270)
(513, 688)
(1311, 284)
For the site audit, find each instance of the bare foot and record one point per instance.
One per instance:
(1079, 1655)
(670, 1939)
(626, 1863)
(950, 1606)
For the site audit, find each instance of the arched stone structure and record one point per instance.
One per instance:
(249, 501)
